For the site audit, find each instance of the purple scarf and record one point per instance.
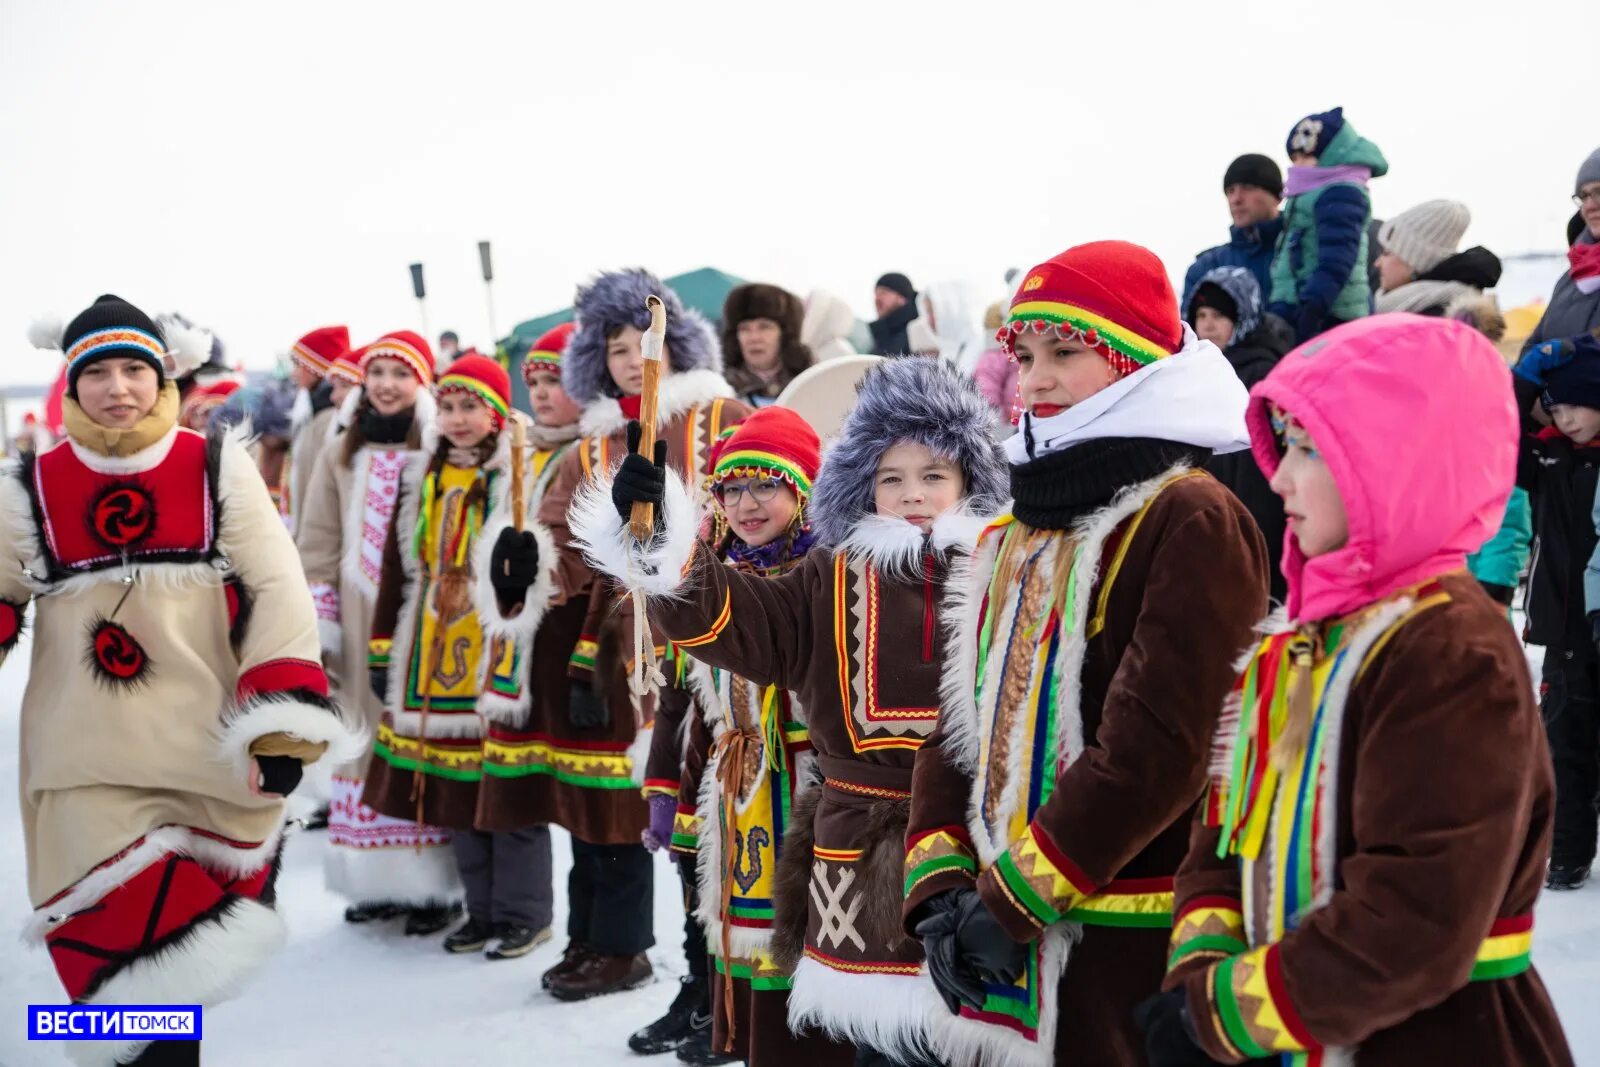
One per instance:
(771, 555)
(1305, 179)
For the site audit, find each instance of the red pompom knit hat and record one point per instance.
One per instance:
(546, 351)
(775, 443)
(407, 348)
(1113, 296)
(485, 379)
(347, 368)
(318, 350)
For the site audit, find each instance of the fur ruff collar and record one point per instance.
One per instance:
(680, 391)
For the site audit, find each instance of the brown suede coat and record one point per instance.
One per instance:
(1442, 821)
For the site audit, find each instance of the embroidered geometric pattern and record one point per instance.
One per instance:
(586, 764)
(1208, 928)
(1127, 902)
(1253, 1006)
(1039, 879)
(838, 915)
(937, 851)
(685, 829)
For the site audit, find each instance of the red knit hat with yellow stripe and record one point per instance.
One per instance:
(775, 443)
(347, 368)
(1113, 296)
(404, 347)
(485, 379)
(546, 351)
(318, 350)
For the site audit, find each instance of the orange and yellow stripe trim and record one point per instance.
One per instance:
(718, 624)
(836, 855)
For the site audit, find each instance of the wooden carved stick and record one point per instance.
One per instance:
(642, 521)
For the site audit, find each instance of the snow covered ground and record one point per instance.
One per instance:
(355, 995)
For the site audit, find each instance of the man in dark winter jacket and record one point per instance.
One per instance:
(1225, 309)
(1575, 304)
(1558, 466)
(896, 301)
(1253, 185)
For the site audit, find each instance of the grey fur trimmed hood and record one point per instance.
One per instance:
(918, 399)
(616, 299)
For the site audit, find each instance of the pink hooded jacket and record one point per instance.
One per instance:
(1416, 420)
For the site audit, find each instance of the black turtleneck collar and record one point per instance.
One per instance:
(1054, 491)
(385, 429)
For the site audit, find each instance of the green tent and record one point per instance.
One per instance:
(705, 290)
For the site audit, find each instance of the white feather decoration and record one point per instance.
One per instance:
(46, 332)
(188, 347)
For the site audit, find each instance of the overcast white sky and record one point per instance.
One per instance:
(268, 168)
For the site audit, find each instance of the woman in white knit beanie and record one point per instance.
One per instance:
(1419, 268)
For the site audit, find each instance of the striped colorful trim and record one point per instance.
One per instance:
(1507, 951)
(1144, 903)
(659, 787)
(310, 359)
(908, 970)
(718, 624)
(1097, 330)
(345, 371)
(867, 790)
(458, 759)
(836, 855)
(1040, 880)
(544, 356)
(1208, 927)
(393, 348)
(584, 653)
(1271, 1025)
(935, 852)
(762, 974)
(746, 462)
(584, 764)
(378, 651)
(115, 339)
(685, 829)
(457, 383)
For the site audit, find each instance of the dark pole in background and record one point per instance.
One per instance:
(421, 293)
(487, 263)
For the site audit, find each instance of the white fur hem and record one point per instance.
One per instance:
(207, 967)
(397, 874)
(639, 752)
(522, 626)
(329, 635)
(210, 853)
(680, 391)
(271, 713)
(657, 568)
(441, 724)
(504, 710)
(892, 1014)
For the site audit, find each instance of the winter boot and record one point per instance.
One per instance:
(689, 1014)
(368, 913)
(470, 936)
(699, 1051)
(515, 941)
(424, 922)
(574, 956)
(600, 975)
(1566, 876)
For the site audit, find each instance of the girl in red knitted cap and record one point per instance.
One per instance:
(1091, 657)
(445, 659)
(748, 759)
(386, 867)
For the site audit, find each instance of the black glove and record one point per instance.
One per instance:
(937, 929)
(279, 774)
(986, 948)
(514, 564)
(638, 481)
(1169, 1039)
(378, 680)
(585, 709)
(1309, 319)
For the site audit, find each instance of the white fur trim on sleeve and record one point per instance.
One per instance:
(522, 626)
(656, 568)
(271, 713)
